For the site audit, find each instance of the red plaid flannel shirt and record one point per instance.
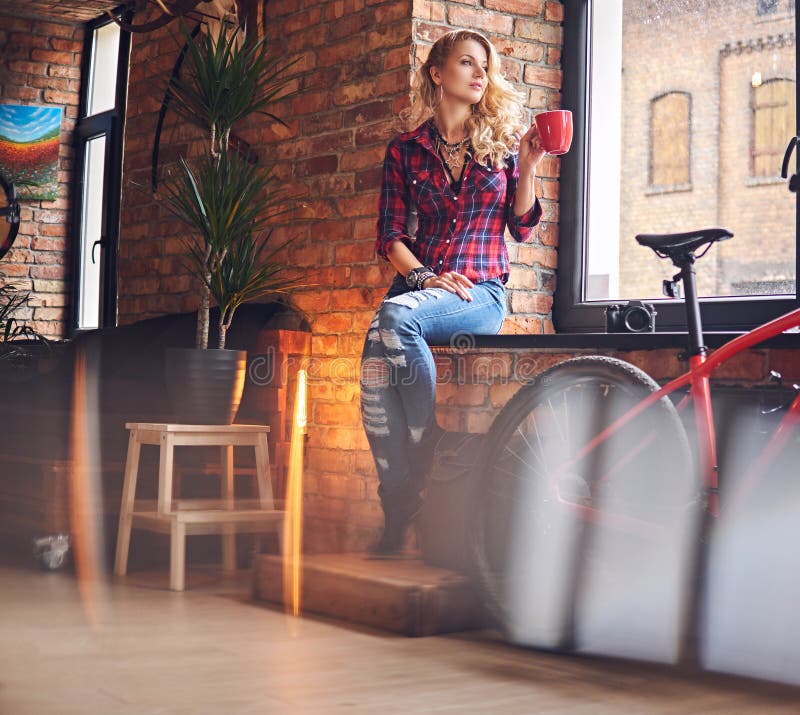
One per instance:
(461, 232)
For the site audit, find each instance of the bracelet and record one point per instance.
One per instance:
(422, 277)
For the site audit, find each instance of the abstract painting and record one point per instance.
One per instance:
(29, 141)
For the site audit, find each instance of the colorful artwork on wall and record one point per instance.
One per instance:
(29, 141)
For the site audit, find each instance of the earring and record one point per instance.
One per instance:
(438, 100)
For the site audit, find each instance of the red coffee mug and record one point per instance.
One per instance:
(555, 130)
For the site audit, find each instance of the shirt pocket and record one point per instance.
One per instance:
(423, 189)
(489, 180)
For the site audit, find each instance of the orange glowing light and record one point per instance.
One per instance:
(83, 498)
(293, 522)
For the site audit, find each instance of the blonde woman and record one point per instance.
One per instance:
(450, 188)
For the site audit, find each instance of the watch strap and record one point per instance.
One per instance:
(415, 276)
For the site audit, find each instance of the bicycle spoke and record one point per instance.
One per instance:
(555, 419)
(508, 472)
(539, 441)
(529, 445)
(516, 467)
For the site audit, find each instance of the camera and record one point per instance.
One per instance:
(633, 317)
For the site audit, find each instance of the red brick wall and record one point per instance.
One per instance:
(41, 65)
(476, 384)
(152, 277)
(355, 60)
(351, 80)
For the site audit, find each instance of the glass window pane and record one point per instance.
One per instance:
(692, 105)
(89, 299)
(103, 82)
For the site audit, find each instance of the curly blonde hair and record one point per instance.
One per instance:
(497, 120)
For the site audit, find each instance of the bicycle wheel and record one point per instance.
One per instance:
(552, 531)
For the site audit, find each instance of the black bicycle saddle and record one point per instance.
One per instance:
(666, 244)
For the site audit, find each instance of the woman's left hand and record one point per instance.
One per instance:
(530, 151)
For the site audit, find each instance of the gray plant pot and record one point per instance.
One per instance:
(205, 386)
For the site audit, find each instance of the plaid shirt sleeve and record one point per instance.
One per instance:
(394, 203)
(520, 227)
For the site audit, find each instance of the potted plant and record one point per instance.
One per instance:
(19, 342)
(226, 201)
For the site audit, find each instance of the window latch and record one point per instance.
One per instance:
(794, 180)
(99, 242)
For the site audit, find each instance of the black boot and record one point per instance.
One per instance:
(423, 455)
(399, 510)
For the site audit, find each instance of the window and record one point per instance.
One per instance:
(669, 140)
(674, 132)
(773, 122)
(98, 171)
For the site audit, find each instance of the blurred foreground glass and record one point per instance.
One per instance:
(749, 624)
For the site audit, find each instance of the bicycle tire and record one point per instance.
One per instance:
(493, 513)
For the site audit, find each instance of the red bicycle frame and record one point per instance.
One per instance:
(697, 377)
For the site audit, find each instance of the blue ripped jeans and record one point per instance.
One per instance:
(398, 374)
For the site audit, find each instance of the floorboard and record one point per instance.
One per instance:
(135, 648)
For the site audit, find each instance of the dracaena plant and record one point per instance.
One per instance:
(247, 272)
(225, 200)
(228, 79)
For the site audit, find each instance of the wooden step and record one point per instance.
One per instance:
(402, 596)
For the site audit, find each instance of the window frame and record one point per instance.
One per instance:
(110, 123)
(571, 312)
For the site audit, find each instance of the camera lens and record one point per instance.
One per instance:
(637, 319)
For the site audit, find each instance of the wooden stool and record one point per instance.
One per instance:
(183, 517)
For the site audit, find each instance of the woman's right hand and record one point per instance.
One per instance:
(453, 282)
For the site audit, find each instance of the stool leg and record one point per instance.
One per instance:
(264, 482)
(263, 477)
(165, 474)
(126, 508)
(177, 556)
(228, 533)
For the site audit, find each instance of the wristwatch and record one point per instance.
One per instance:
(417, 276)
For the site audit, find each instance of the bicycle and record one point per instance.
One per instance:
(589, 484)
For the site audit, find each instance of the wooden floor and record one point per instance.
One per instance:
(211, 650)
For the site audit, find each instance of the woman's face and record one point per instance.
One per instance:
(463, 76)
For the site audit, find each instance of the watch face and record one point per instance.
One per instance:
(411, 278)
